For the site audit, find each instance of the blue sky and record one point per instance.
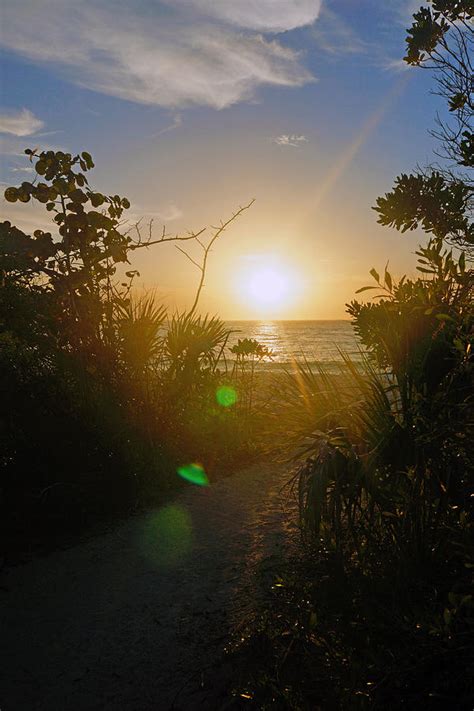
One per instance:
(191, 108)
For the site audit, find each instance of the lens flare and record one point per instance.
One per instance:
(342, 163)
(167, 536)
(194, 473)
(226, 395)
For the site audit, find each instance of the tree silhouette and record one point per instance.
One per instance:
(440, 199)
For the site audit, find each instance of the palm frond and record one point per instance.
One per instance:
(139, 322)
(194, 342)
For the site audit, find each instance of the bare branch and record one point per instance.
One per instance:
(140, 243)
(207, 249)
(196, 264)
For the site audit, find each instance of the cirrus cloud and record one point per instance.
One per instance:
(263, 16)
(185, 53)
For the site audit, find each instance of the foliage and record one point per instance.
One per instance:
(441, 38)
(419, 327)
(139, 321)
(388, 444)
(379, 610)
(439, 206)
(81, 262)
(194, 344)
(105, 394)
(248, 349)
(248, 354)
(440, 200)
(344, 640)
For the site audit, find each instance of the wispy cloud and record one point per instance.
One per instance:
(394, 24)
(167, 213)
(396, 66)
(335, 36)
(174, 54)
(406, 9)
(20, 123)
(262, 16)
(26, 169)
(15, 145)
(27, 217)
(290, 139)
(163, 214)
(176, 123)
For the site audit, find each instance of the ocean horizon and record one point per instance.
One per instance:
(315, 341)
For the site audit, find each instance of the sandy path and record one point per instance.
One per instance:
(135, 619)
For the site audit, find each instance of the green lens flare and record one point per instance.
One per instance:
(226, 396)
(167, 536)
(194, 473)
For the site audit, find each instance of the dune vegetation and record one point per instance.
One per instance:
(378, 609)
(106, 393)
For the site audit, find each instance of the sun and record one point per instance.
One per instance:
(268, 289)
(269, 286)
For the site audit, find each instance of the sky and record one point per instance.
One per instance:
(193, 108)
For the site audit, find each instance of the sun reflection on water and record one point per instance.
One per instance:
(269, 334)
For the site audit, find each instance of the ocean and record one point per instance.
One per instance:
(314, 341)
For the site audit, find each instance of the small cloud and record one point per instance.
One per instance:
(26, 169)
(20, 123)
(177, 122)
(93, 112)
(290, 139)
(168, 213)
(44, 134)
(162, 214)
(396, 65)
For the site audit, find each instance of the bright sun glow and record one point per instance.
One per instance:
(269, 289)
(269, 286)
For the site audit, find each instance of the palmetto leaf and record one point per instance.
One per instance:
(139, 322)
(194, 341)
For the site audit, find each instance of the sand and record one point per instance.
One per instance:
(137, 617)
